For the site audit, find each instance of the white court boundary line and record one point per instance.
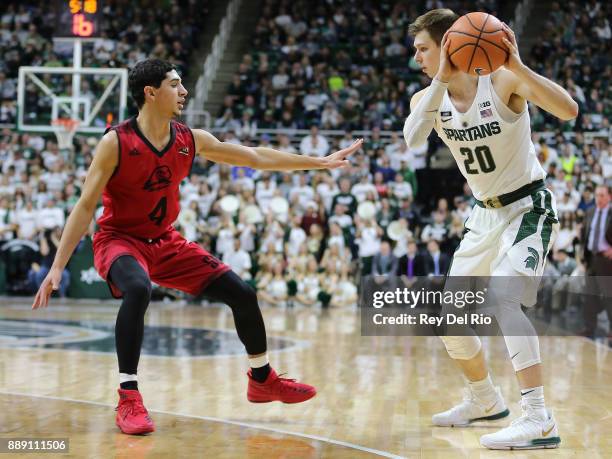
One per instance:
(223, 421)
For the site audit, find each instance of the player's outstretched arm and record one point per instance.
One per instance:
(546, 94)
(267, 158)
(101, 169)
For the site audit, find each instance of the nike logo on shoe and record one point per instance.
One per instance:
(546, 432)
(488, 410)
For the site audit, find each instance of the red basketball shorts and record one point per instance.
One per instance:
(170, 260)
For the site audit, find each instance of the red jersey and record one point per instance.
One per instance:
(142, 196)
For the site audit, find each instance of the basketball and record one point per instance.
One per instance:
(476, 45)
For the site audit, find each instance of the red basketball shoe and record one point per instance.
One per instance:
(132, 417)
(281, 389)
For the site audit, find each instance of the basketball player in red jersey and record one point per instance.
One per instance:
(137, 169)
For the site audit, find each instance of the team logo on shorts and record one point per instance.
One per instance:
(160, 178)
(533, 260)
(210, 261)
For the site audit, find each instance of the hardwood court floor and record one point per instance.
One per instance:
(375, 394)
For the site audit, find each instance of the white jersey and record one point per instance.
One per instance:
(491, 144)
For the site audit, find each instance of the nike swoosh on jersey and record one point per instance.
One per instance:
(445, 120)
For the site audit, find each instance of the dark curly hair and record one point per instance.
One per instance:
(150, 72)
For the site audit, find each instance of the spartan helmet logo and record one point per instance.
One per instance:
(533, 260)
(159, 179)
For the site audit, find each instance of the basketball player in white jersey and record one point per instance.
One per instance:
(485, 123)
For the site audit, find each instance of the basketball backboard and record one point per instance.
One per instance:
(94, 96)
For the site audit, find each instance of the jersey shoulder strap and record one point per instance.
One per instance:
(117, 127)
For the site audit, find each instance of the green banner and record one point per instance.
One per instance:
(84, 279)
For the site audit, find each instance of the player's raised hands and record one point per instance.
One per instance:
(338, 159)
(51, 283)
(446, 70)
(514, 59)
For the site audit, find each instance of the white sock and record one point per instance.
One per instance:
(483, 389)
(534, 397)
(258, 362)
(124, 377)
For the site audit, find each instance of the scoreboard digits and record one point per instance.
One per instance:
(78, 18)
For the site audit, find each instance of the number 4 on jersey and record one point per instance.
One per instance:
(483, 156)
(158, 214)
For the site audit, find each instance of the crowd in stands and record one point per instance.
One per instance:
(340, 65)
(308, 237)
(573, 49)
(310, 229)
(164, 29)
(343, 66)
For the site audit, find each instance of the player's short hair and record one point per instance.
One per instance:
(435, 22)
(149, 72)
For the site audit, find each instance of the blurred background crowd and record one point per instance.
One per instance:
(315, 66)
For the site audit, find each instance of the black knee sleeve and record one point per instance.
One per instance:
(132, 280)
(242, 299)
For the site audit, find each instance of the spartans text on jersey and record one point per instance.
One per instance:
(474, 133)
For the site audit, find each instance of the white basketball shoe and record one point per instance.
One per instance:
(471, 409)
(529, 431)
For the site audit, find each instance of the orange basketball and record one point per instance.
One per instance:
(476, 45)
